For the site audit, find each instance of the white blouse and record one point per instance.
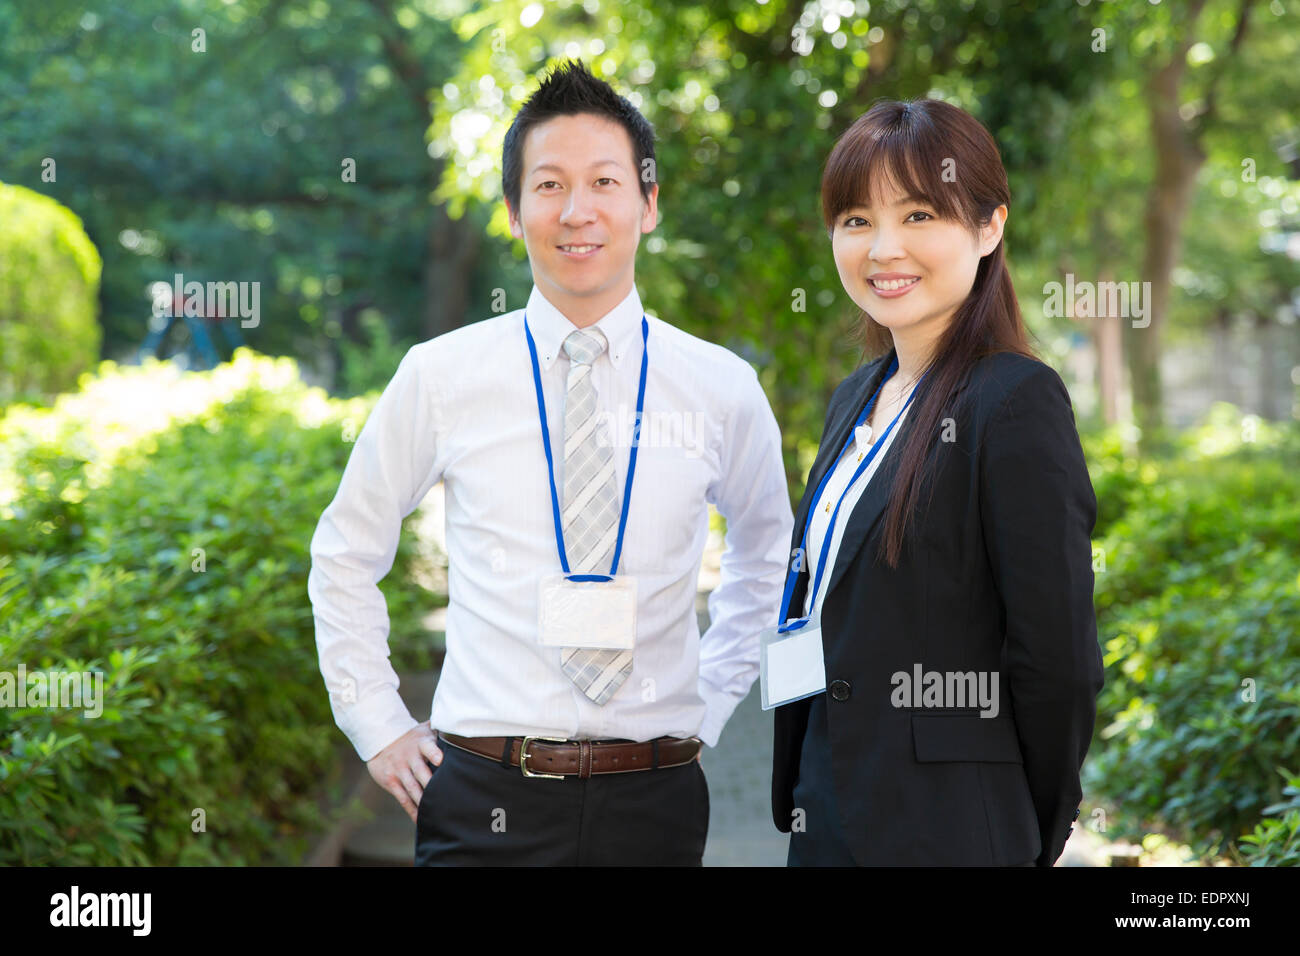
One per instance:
(818, 522)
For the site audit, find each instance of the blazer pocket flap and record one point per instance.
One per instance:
(942, 737)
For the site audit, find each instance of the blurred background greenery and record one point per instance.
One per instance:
(1145, 142)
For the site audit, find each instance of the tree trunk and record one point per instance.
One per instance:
(1178, 158)
(1107, 341)
(454, 246)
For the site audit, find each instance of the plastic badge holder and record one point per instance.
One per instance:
(791, 664)
(590, 614)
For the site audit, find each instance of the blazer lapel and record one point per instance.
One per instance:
(862, 519)
(836, 435)
(871, 506)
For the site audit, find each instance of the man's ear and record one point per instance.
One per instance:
(650, 215)
(516, 229)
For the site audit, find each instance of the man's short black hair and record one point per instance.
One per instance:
(569, 90)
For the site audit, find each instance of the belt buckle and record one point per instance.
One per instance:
(523, 757)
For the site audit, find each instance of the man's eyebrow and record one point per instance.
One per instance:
(554, 168)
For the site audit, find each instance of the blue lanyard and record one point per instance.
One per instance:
(793, 576)
(550, 463)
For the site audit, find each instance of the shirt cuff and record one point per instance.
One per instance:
(374, 723)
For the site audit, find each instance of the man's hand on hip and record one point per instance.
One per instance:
(402, 768)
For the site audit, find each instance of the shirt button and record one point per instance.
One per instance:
(840, 690)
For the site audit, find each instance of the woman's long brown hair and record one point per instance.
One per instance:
(942, 155)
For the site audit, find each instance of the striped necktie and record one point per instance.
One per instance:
(591, 509)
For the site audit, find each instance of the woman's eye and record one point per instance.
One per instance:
(549, 182)
(604, 179)
(858, 220)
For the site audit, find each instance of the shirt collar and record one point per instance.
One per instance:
(621, 327)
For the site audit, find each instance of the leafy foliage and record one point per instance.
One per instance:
(1275, 841)
(49, 283)
(1199, 619)
(213, 699)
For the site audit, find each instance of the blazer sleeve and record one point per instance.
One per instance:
(1038, 511)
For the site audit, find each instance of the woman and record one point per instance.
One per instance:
(943, 544)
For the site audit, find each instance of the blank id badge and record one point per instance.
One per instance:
(592, 614)
(791, 665)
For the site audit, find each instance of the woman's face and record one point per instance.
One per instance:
(907, 268)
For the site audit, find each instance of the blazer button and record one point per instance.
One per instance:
(840, 690)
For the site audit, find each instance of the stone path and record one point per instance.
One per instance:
(739, 772)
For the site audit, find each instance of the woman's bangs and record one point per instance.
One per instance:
(870, 165)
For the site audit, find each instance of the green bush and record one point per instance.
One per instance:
(1275, 840)
(1199, 619)
(370, 365)
(214, 700)
(1115, 474)
(49, 295)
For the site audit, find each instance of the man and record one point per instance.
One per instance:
(576, 688)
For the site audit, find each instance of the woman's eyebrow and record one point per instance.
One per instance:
(906, 200)
(909, 199)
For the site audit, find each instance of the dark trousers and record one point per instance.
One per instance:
(822, 841)
(476, 811)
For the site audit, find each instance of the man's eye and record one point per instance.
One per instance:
(604, 179)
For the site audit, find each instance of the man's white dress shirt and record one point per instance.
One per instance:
(462, 409)
(820, 520)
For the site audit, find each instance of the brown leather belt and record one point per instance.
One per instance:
(558, 758)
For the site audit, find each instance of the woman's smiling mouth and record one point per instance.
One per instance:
(891, 288)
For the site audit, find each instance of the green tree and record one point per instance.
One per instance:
(49, 286)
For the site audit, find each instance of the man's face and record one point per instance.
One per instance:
(930, 262)
(581, 213)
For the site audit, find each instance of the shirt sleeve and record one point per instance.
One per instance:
(390, 470)
(753, 497)
(1038, 510)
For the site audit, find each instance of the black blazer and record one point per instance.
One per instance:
(995, 576)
